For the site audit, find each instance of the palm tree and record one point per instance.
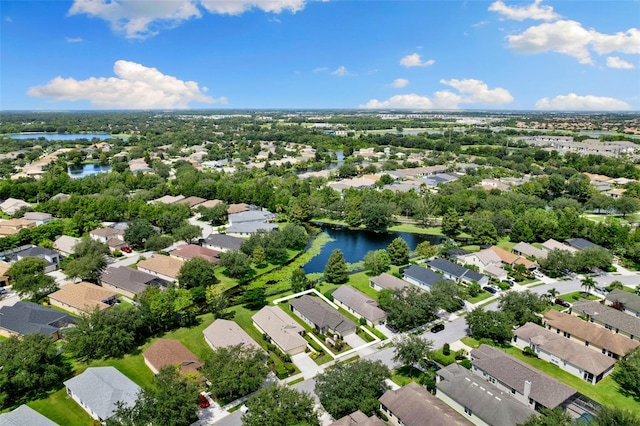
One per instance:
(588, 284)
(551, 294)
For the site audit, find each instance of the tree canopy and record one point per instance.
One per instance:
(407, 308)
(398, 251)
(29, 280)
(335, 271)
(197, 272)
(493, 325)
(280, 405)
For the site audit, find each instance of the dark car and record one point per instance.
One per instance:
(490, 289)
(437, 328)
(510, 282)
(431, 364)
(392, 328)
(126, 249)
(562, 303)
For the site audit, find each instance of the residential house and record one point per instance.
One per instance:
(412, 405)
(51, 257)
(165, 352)
(192, 202)
(527, 384)
(317, 314)
(38, 218)
(624, 301)
(421, 277)
(609, 318)
(98, 389)
(164, 267)
(457, 273)
(386, 281)
(251, 216)
(359, 305)
(580, 243)
(82, 298)
(282, 330)
(4, 278)
(569, 355)
(167, 199)
(588, 334)
(13, 226)
(511, 259)
(526, 249)
(27, 318)
(358, 418)
(552, 244)
(482, 404)
(105, 234)
(246, 229)
(208, 204)
(187, 252)
(128, 281)
(222, 242)
(11, 205)
(65, 245)
(25, 416)
(224, 333)
(237, 208)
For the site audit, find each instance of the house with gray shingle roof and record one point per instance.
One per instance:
(421, 277)
(359, 304)
(25, 416)
(628, 302)
(358, 418)
(128, 281)
(526, 249)
(412, 405)
(482, 404)
(457, 273)
(28, 318)
(321, 316)
(525, 383)
(98, 389)
(569, 355)
(222, 242)
(609, 318)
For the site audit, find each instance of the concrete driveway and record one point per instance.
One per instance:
(354, 340)
(307, 366)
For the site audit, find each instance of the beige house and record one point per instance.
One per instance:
(82, 298)
(165, 352)
(165, 267)
(283, 331)
(13, 226)
(224, 333)
(359, 305)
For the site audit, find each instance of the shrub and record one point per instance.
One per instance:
(281, 372)
(461, 354)
(363, 321)
(527, 351)
(466, 363)
(446, 349)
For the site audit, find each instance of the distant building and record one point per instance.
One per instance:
(11, 205)
(38, 218)
(66, 245)
(128, 281)
(452, 271)
(164, 267)
(223, 242)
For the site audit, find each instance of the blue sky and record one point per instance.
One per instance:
(148, 54)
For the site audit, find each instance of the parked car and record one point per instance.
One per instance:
(437, 328)
(203, 401)
(126, 249)
(538, 274)
(392, 328)
(431, 364)
(3, 290)
(603, 291)
(562, 303)
(491, 289)
(510, 282)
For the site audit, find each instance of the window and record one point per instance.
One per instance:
(513, 391)
(608, 327)
(531, 401)
(492, 380)
(468, 411)
(586, 343)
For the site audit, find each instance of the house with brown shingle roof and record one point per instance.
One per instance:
(588, 334)
(82, 298)
(224, 333)
(165, 267)
(526, 249)
(358, 418)
(359, 305)
(189, 251)
(281, 329)
(412, 405)
(192, 201)
(387, 281)
(237, 208)
(569, 355)
(609, 318)
(165, 352)
(208, 204)
(13, 226)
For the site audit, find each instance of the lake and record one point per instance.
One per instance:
(62, 137)
(355, 244)
(77, 172)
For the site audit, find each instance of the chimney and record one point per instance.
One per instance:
(527, 389)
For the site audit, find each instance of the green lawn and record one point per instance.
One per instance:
(483, 295)
(192, 337)
(577, 295)
(62, 409)
(132, 366)
(361, 282)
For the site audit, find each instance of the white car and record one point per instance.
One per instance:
(538, 274)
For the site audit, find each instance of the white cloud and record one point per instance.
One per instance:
(573, 102)
(470, 91)
(341, 71)
(320, 69)
(400, 82)
(414, 60)
(73, 39)
(140, 19)
(616, 62)
(520, 13)
(134, 87)
(571, 38)
(8, 19)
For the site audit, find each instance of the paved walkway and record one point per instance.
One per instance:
(307, 366)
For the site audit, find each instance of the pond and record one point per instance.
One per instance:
(355, 244)
(62, 137)
(77, 172)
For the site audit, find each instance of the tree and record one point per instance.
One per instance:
(627, 373)
(235, 371)
(626, 205)
(254, 298)
(138, 232)
(172, 401)
(300, 210)
(451, 223)
(376, 213)
(28, 279)
(187, 232)
(522, 306)
(158, 242)
(335, 271)
(398, 251)
(87, 268)
(377, 261)
(592, 257)
(216, 215)
(551, 295)
(31, 366)
(216, 300)
(90, 247)
(197, 272)
(556, 417)
(258, 256)
(587, 284)
(407, 308)
(410, 349)
(299, 281)
(446, 295)
(608, 415)
(354, 386)
(493, 325)
(425, 249)
(280, 405)
(237, 263)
